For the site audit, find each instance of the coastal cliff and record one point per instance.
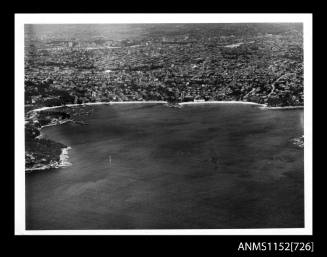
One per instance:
(42, 153)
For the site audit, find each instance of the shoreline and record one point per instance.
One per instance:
(221, 102)
(96, 103)
(63, 162)
(56, 123)
(282, 107)
(262, 106)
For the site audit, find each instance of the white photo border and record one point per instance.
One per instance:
(22, 19)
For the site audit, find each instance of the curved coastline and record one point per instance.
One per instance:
(261, 106)
(63, 158)
(96, 103)
(282, 107)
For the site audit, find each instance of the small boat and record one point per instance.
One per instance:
(109, 161)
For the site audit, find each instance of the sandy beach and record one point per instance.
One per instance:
(221, 102)
(63, 162)
(143, 102)
(281, 107)
(262, 106)
(97, 103)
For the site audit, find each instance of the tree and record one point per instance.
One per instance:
(273, 100)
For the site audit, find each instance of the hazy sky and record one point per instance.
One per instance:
(130, 31)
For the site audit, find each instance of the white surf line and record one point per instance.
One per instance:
(97, 103)
(57, 123)
(221, 102)
(261, 106)
(63, 162)
(44, 167)
(282, 107)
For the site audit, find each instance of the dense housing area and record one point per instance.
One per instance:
(260, 63)
(198, 62)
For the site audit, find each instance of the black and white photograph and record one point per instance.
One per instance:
(163, 124)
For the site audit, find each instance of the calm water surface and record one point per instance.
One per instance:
(204, 166)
